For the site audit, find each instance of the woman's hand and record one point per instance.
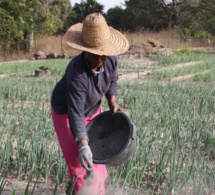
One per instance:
(85, 154)
(114, 107)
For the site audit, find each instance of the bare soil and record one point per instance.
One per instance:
(41, 186)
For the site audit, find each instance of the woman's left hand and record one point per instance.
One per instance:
(114, 107)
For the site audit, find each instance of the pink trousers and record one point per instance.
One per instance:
(71, 153)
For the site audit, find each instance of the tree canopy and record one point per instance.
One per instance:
(197, 19)
(21, 18)
(18, 20)
(85, 8)
(57, 15)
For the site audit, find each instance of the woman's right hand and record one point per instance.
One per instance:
(85, 154)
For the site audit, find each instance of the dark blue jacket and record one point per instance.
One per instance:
(80, 91)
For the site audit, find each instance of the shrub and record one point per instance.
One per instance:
(182, 51)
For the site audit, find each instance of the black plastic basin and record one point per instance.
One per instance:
(112, 138)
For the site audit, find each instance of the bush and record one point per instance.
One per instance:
(182, 51)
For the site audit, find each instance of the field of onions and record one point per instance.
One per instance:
(175, 131)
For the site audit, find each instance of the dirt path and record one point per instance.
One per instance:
(2, 75)
(188, 76)
(143, 74)
(133, 76)
(184, 65)
(21, 61)
(17, 61)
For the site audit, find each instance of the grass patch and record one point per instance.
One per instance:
(56, 66)
(207, 77)
(169, 73)
(177, 59)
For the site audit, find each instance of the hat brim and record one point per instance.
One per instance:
(117, 45)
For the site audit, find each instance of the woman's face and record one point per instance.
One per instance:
(95, 61)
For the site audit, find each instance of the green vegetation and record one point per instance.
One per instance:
(170, 73)
(21, 20)
(178, 58)
(201, 63)
(175, 130)
(182, 51)
(58, 66)
(207, 77)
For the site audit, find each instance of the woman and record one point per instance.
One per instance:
(76, 98)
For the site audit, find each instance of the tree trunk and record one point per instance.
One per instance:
(5, 51)
(17, 47)
(31, 41)
(170, 21)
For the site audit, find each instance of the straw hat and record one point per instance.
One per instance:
(95, 36)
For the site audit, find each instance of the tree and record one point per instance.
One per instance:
(170, 13)
(197, 19)
(85, 8)
(58, 14)
(117, 18)
(34, 17)
(25, 16)
(206, 17)
(145, 14)
(170, 10)
(9, 30)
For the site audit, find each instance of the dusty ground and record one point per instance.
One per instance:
(40, 189)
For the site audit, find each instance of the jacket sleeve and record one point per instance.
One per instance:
(76, 96)
(113, 84)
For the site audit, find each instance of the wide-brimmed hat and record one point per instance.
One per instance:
(95, 36)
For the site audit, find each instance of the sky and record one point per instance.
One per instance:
(107, 3)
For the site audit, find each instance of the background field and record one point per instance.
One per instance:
(169, 38)
(174, 115)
